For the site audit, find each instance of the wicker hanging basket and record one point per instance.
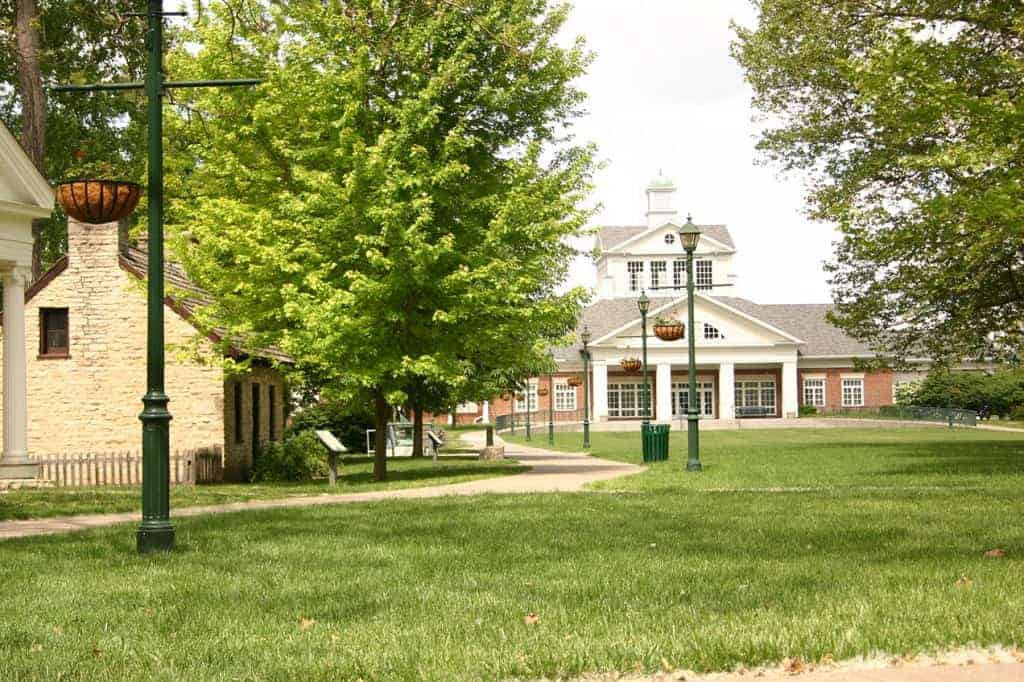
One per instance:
(631, 365)
(574, 381)
(542, 391)
(98, 201)
(671, 331)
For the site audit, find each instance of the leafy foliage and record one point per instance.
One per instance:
(391, 205)
(81, 42)
(906, 117)
(1002, 392)
(346, 421)
(299, 457)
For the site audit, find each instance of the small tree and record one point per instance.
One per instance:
(392, 206)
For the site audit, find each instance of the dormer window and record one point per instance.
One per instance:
(635, 268)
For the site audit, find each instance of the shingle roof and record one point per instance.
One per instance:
(185, 298)
(612, 236)
(805, 321)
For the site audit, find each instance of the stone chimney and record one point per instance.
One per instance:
(94, 245)
(659, 201)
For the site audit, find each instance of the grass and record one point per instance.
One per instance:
(356, 476)
(802, 543)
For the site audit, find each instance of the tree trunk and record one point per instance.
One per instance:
(417, 432)
(380, 447)
(33, 104)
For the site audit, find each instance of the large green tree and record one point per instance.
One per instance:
(907, 118)
(392, 205)
(44, 42)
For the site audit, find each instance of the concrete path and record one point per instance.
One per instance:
(549, 472)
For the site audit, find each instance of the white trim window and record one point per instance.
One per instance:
(531, 394)
(679, 274)
(853, 392)
(659, 270)
(814, 391)
(755, 398)
(565, 397)
(705, 398)
(635, 268)
(703, 275)
(711, 333)
(626, 399)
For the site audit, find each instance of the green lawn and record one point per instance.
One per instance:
(802, 543)
(355, 476)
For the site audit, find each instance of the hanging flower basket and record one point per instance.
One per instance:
(98, 201)
(542, 391)
(631, 365)
(506, 395)
(574, 381)
(669, 329)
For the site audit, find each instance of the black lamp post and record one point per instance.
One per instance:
(689, 236)
(585, 337)
(644, 304)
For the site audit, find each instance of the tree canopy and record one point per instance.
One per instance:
(392, 205)
(907, 117)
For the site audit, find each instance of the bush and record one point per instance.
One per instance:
(301, 457)
(808, 410)
(1017, 414)
(348, 424)
(1000, 392)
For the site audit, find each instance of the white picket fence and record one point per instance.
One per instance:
(187, 467)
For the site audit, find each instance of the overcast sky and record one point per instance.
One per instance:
(665, 94)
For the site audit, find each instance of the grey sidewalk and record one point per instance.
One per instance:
(549, 472)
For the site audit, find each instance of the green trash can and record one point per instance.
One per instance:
(655, 442)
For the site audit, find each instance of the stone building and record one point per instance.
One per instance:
(86, 361)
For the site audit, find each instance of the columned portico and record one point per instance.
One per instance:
(726, 391)
(599, 390)
(14, 460)
(663, 395)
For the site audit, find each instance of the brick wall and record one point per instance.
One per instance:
(877, 385)
(90, 401)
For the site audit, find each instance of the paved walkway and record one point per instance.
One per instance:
(549, 472)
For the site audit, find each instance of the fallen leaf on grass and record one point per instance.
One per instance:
(666, 666)
(306, 623)
(964, 581)
(97, 652)
(995, 553)
(531, 618)
(794, 665)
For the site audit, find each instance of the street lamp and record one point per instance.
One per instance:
(689, 236)
(156, 533)
(644, 304)
(585, 336)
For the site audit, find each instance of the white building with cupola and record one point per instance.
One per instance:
(754, 360)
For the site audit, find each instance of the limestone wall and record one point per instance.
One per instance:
(90, 401)
(240, 434)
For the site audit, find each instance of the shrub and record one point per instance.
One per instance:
(301, 457)
(808, 410)
(1017, 413)
(347, 423)
(1000, 392)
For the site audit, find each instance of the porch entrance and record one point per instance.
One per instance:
(705, 399)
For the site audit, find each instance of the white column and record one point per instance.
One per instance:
(790, 399)
(663, 393)
(599, 389)
(726, 391)
(14, 462)
(487, 411)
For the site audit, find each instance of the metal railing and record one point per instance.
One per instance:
(919, 413)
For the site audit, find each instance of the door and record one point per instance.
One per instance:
(255, 422)
(705, 399)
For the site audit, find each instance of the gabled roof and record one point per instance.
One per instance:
(190, 299)
(805, 322)
(35, 195)
(611, 237)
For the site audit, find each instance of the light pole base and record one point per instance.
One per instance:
(693, 442)
(694, 465)
(158, 538)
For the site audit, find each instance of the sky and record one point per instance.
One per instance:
(666, 95)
